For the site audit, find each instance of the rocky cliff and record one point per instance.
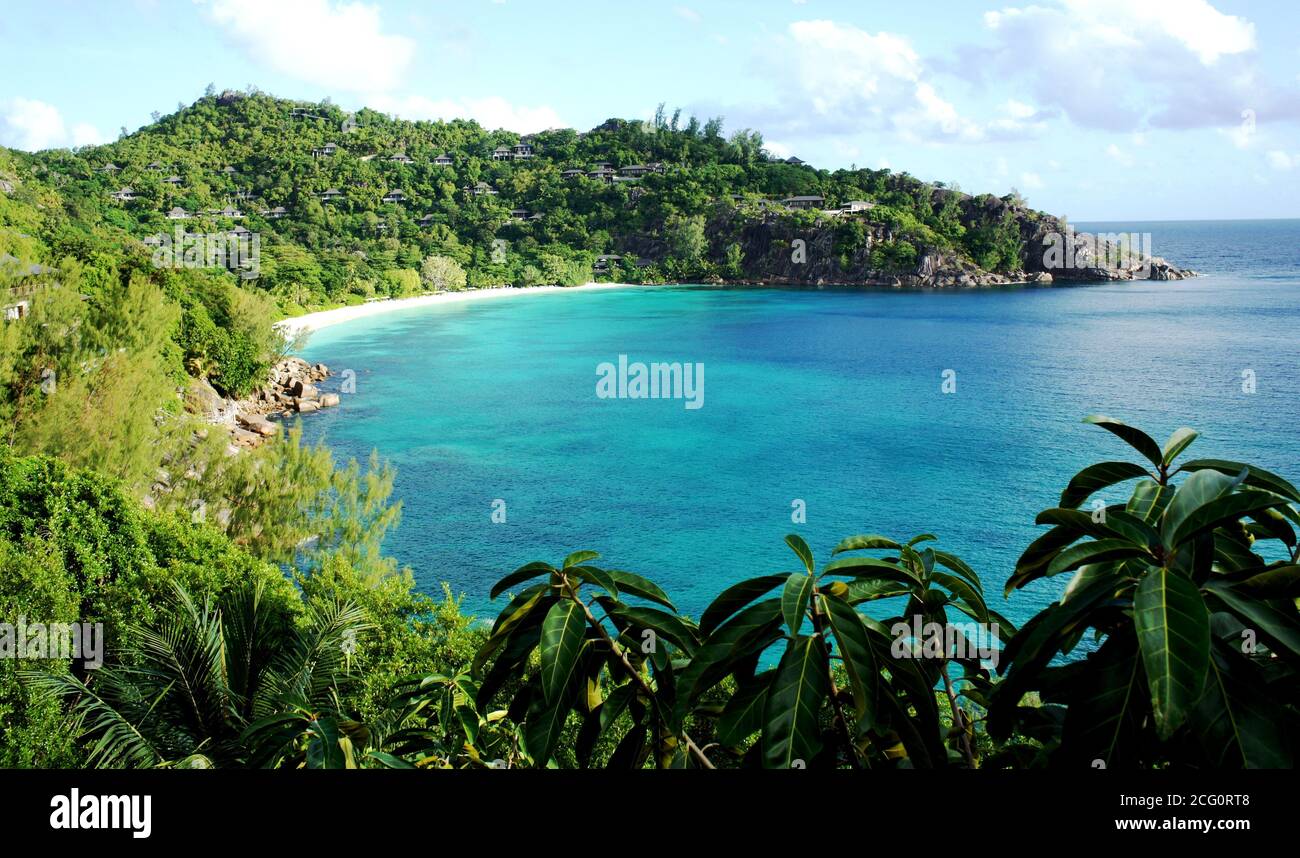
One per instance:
(290, 388)
(778, 249)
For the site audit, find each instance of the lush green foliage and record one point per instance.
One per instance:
(260, 579)
(349, 248)
(74, 546)
(1189, 589)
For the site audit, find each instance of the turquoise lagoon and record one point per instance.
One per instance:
(832, 398)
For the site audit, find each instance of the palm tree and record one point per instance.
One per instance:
(184, 691)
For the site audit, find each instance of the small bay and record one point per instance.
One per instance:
(829, 397)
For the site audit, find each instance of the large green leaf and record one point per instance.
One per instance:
(1097, 551)
(327, 749)
(866, 541)
(1236, 719)
(912, 687)
(740, 638)
(1033, 563)
(961, 567)
(1108, 700)
(1091, 573)
(1219, 511)
(1113, 521)
(578, 558)
(631, 751)
(797, 544)
(1134, 437)
(1275, 582)
(600, 718)
(1272, 524)
(1177, 443)
(524, 628)
(644, 588)
(616, 704)
(794, 600)
(743, 715)
(792, 713)
(661, 623)
(595, 576)
(518, 609)
(868, 590)
(1257, 478)
(1096, 477)
(1195, 492)
(1031, 649)
(964, 592)
(736, 597)
(870, 567)
(1173, 628)
(1279, 628)
(544, 725)
(851, 637)
(562, 635)
(523, 573)
(516, 647)
(1149, 500)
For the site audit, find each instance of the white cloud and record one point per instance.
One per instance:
(1194, 24)
(85, 134)
(1119, 156)
(34, 125)
(1031, 181)
(1019, 120)
(840, 78)
(1279, 160)
(687, 13)
(1018, 109)
(491, 112)
(778, 150)
(337, 45)
(1121, 66)
(343, 45)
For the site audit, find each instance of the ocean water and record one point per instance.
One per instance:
(829, 397)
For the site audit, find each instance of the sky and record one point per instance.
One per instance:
(1092, 109)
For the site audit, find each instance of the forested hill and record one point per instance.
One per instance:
(347, 206)
(323, 207)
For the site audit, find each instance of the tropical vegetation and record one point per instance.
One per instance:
(1174, 644)
(253, 619)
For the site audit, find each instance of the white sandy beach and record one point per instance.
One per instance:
(296, 325)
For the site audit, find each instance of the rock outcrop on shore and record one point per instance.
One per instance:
(779, 251)
(290, 388)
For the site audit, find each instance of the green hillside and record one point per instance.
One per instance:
(267, 158)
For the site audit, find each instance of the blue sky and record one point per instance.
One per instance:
(1095, 109)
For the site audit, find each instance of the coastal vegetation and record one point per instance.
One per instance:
(345, 206)
(1176, 643)
(252, 618)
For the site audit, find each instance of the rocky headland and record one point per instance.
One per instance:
(291, 388)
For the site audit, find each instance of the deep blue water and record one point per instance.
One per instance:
(832, 397)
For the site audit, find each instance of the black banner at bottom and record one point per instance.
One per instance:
(133, 809)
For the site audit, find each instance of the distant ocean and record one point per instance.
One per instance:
(828, 397)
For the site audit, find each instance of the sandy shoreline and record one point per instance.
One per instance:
(296, 325)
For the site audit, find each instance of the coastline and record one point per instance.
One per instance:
(296, 325)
